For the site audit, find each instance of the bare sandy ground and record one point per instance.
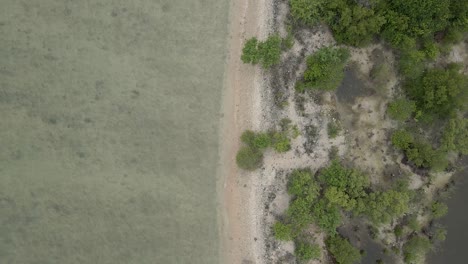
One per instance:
(242, 108)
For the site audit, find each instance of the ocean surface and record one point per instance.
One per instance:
(109, 130)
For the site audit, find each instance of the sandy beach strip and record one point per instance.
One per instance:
(241, 109)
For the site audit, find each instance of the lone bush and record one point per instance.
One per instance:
(439, 209)
(250, 52)
(248, 158)
(333, 129)
(440, 234)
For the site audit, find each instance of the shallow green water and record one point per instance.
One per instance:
(109, 130)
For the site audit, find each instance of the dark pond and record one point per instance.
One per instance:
(454, 249)
(359, 235)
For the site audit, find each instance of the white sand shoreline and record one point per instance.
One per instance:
(242, 103)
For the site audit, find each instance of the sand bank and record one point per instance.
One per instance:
(241, 110)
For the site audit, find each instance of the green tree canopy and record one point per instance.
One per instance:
(455, 136)
(250, 52)
(353, 24)
(439, 92)
(459, 11)
(402, 139)
(350, 181)
(421, 153)
(382, 207)
(342, 250)
(401, 109)
(415, 249)
(302, 185)
(412, 63)
(325, 69)
(423, 17)
(339, 198)
(299, 213)
(326, 216)
(309, 12)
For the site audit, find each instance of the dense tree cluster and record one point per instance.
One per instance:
(343, 186)
(435, 94)
(439, 92)
(414, 18)
(419, 31)
(302, 185)
(419, 152)
(351, 23)
(325, 69)
(403, 23)
(320, 200)
(308, 12)
(382, 207)
(336, 189)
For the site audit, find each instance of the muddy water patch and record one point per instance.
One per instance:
(352, 87)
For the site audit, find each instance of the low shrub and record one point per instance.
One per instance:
(249, 159)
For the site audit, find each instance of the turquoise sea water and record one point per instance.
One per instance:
(109, 130)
